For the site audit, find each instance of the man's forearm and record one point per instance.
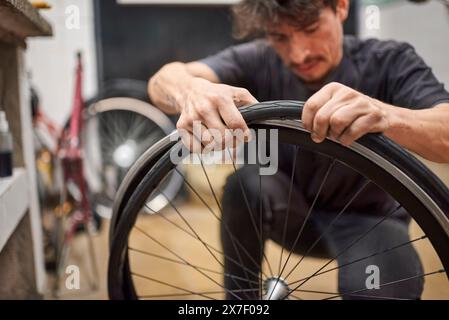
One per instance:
(425, 132)
(166, 87)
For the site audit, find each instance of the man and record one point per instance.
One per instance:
(351, 88)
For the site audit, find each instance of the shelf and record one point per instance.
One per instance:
(19, 20)
(14, 202)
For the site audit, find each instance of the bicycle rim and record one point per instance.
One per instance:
(408, 181)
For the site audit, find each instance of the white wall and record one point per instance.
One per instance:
(425, 26)
(52, 61)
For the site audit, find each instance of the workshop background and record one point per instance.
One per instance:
(120, 41)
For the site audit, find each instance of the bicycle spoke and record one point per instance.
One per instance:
(117, 131)
(170, 285)
(179, 257)
(292, 177)
(312, 206)
(149, 139)
(364, 258)
(296, 297)
(185, 264)
(388, 283)
(210, 184)
(193, 236)
(191, 294)
(328, 228)
(189, 226)
(350, 245)
(234, 239)
(197, 236)
(336, 293)
(167, 241)
(139, 129)
(315, 291)
(250, 212)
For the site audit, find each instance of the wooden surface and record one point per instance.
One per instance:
(17, 276)
(10, 98)
(436, 287)
(199, 217)
(19, 20)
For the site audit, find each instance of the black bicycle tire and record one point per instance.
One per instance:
(133, 105)
(286, 110)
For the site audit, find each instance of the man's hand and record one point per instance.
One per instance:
(343, 114)
(215, 106)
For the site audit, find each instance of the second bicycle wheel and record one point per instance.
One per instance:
(332, 222)
(116, 132)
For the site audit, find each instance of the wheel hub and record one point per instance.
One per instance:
(276, 289)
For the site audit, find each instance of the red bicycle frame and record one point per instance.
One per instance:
(72, 163)
(70, 154)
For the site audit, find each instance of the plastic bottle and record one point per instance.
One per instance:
(5, 147)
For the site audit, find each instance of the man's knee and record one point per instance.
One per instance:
(383, 274)
(241, 187)
(371, 280)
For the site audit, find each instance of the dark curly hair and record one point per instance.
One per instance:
(251, 17)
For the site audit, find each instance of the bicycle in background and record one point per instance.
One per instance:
(81, 165)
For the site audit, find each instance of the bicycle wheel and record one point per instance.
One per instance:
(170, 236)
(117, 131)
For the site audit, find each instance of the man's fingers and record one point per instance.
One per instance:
(313, 104)
(321, 121)
(216, 129)
(342, 118)
(201, 133)
(233, 118)
(366, 124)
(209, 134)
(185, 131)
(242, 97)
(215, 117)
(190, 141)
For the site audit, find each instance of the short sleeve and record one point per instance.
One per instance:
(412, 83)
(236, 64)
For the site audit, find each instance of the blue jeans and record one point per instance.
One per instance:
(394, 265)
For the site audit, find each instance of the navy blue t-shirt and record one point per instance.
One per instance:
(389, 71)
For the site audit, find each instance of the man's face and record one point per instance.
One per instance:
(311, 53)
